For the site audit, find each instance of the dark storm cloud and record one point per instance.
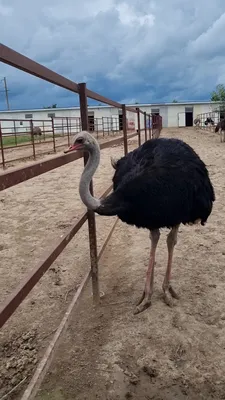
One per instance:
(140, 50)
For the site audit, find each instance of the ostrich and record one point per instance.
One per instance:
(161, 184)
(197, 121)
(221, 127)
(209, 121)
(37, 132)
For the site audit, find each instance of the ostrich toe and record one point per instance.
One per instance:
(143, 303)
(169, 294)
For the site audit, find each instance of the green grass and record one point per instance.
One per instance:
(20, 139)
(10, 140)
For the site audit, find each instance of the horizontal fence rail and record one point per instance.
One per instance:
(12, 178)
(17, 135)
(150, 125)
(19, 61)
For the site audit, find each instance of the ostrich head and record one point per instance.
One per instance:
(83, 141)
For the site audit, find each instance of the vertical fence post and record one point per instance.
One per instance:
(53, 135)
(2, 148)
(32, 138)
(125, 143)
(139, 126)
(103, 126)
(91, 214)
(157, 126)
(43, 127)
(14, 127)
(160, 124)
(111, 125)
(108, 125)
(154, 126)
(145, 123)
(149, 126)
(97, 127)
(67, 127)
(63, 127)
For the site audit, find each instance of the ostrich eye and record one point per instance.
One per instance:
(80, 140)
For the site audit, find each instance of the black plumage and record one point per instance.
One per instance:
(160, 184)
(220, 125)
(209, 121)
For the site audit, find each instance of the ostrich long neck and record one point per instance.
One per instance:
(93, 161)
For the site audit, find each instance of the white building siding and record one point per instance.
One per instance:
(169, 112)
(174, 112)
(201, 109)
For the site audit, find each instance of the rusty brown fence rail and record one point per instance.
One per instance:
(11, 178)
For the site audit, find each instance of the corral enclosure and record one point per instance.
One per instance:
(107, 352)
(12, 369)
(164, 353)
(17, 145)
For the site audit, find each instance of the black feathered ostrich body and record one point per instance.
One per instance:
(161, 184)
(221, 127)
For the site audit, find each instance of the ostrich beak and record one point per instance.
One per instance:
(73, 147)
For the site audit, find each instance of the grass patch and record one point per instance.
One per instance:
(11, 140)
(20, 139)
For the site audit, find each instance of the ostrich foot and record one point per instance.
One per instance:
(143, 303)
(169, 294)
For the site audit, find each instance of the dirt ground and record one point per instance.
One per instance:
(107, 352)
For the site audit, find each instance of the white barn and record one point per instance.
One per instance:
(173, 114)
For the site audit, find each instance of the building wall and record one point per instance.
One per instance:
(164, 114)
(17, 121)
(169, 113)
(174, 112)
(201, 109)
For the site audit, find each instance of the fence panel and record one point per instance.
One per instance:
(208, 121)
(11, 178)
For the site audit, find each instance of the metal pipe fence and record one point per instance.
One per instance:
(20, 142)
(210, 121)
(152, 127)
(207, 121)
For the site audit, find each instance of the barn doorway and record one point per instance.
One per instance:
(91, 121)
(188, 116)
(222, 115)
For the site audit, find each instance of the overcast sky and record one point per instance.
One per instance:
(134, 51)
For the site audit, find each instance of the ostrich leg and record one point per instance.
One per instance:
(145, 300)
(167, 288)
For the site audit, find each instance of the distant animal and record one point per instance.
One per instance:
(209, 121)
(161, 184)
(197, 121)
(220, 127)
(37, 132)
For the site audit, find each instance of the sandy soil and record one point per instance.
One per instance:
(33, 216)
(108, 353)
